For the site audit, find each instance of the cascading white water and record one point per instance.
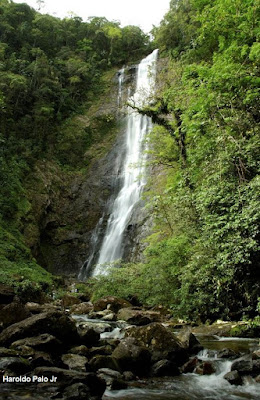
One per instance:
(121, 75)
(133, 166)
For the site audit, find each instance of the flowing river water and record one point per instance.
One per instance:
(191, 386)
(187, 386)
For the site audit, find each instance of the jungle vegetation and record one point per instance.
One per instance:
(202, 259)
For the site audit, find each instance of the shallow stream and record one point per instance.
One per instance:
(192, 386)
(189, 386)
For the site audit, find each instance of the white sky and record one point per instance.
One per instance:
(143, 13)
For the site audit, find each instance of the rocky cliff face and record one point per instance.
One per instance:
(66, 206)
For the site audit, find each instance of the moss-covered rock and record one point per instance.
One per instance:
(160, 341)
(53, 322)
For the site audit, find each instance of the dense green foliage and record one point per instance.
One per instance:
(203, 258)
(19, 269)
(49, 69)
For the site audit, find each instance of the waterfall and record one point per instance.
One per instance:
(121, 75)
(133, 170)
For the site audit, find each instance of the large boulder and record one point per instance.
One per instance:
(244, 365)
(36, 308)
(132, 357)
(96, 386)
(233, 378)
(44, 342)
(88, 336)
(160, 341)
(112, 303)
(189, 341)
(77, 391)
(14, 364)
(12, 313)
(53, 322)
(165, 368)
(138, 317)
(6, 294)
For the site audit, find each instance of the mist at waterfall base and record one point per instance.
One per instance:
(131, 174)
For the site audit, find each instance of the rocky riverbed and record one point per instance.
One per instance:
(72, 349)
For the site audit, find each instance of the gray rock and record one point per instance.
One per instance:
(100, 314)
(110, 317)
(88, 336)
(138, 317)
(12, 313)
(44, 342)
(53, 322)
(110, 372)
(100, 361)
(101, 350)
(36, 308)
(227, 353)
(128, 376)
(14, 364)
(82, 308)
(96, 385)
(80, 350)
(75, 362)
(113, 379)
(98, 327)
(233, 378)
(132, 357)
(189, 341)
(243, 365)
(165, 368)
(77, 391)
(160, 341)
